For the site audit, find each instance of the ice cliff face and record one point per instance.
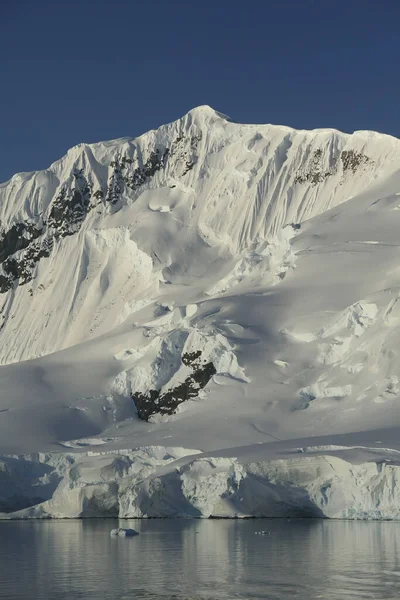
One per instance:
(208, 285)
(163, 482)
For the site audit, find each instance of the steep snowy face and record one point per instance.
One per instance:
(201, 202)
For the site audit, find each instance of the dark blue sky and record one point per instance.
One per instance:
(86, 70)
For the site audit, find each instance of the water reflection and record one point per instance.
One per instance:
(200, 560)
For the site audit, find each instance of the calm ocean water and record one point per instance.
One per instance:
(199, 560)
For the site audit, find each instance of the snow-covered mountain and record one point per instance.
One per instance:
(203, 321)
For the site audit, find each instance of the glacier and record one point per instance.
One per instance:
(203, 322)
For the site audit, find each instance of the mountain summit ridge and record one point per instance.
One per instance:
(208, 112)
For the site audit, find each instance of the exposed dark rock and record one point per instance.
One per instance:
(66, 215)
(140, 175)
(190, 358)
(6, 283)
(70, 207)
(188, 167)
(124, 174)
(10, 267)
(155, 402)
(128, 172)
(18, 237)
(22, 269)
(352, 160)
(184, 150)
(115, 184)
(315, 173)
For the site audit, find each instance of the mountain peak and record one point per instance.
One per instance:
(206, 111)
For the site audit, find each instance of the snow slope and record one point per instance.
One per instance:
(214, 289)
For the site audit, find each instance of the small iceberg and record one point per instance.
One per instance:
(124, 532)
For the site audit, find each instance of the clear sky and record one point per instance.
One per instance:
(87, 70)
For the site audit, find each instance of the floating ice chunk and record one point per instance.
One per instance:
(124, 532)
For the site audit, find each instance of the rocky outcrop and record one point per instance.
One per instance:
(166, 403)
(316, 173)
